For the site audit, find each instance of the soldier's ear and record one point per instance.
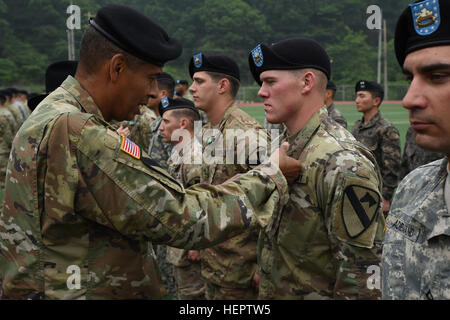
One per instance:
(117, 65)
(308, 81)
(223, 85)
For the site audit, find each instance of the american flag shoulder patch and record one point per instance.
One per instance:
(130, 148)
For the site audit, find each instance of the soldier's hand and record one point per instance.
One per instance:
(386, 205)
(194, 255)
(125, 131)
(255, 280)
(289, 166)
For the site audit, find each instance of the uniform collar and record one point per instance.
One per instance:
(85, 101)
(438, 222)
(298, 141)
(377, 117)
(224, 120)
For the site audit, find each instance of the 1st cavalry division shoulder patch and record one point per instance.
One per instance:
(359, 209)
(130, 148)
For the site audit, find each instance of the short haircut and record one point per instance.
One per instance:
(166, 82)
(187, 113)
(95, 49)
(234, 83)
(322, 79)
(377, 94)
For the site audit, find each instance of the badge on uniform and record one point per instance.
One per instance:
(130, 148)
(257, 55)
(359, 209)
(198, 60)
(426, 16)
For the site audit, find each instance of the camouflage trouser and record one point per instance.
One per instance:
(214, 292)
(191, 285)
(166, 273)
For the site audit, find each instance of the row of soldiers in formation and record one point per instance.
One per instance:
(186, 274)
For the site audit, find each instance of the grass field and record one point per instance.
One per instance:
(393, 112)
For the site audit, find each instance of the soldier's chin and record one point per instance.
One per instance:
(428, 143)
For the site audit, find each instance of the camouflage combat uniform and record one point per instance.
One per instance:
(158, 149)
(228, 268)
(337, 116)
(416, 248)
(274, 126)
(414, 156)
(16, 114)
(12, 118)
(7, 136)
(331, 230)
(80, 212)
(187, 274)
(140, 132)
(383, 139)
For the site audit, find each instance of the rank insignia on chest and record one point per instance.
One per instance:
(130, 148)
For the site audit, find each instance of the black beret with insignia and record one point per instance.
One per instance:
(422, 24)
(220, 64)
(55, 74)
(289, 54)
(370, 86)
(167, 104)
(133, 32)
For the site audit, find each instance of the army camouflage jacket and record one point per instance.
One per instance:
(158, 150)
(188, 174)
(383, 139)
(141, 132)
(330, 232)
(232, 264)
(414, 156)
(416, 249)
(82, 208)
(337, 116)
(7, 134)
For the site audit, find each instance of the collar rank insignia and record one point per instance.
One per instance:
(165, 102)
(257, 55)
(130, 148)
(198, 60)
(359, 209)
(426, 16)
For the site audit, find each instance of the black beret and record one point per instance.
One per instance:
(219, 63)
(133, 32)
(55, 74)
(331, 85)
(183, 82)
(422, 24)
(289, 54)
(167, 104)
(364, 85)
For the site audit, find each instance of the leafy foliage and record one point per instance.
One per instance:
(33, 32)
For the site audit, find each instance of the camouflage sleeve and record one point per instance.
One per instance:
(5, 148)
(139, 200)
(341, 120)
(352, 200)
(391, 160)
